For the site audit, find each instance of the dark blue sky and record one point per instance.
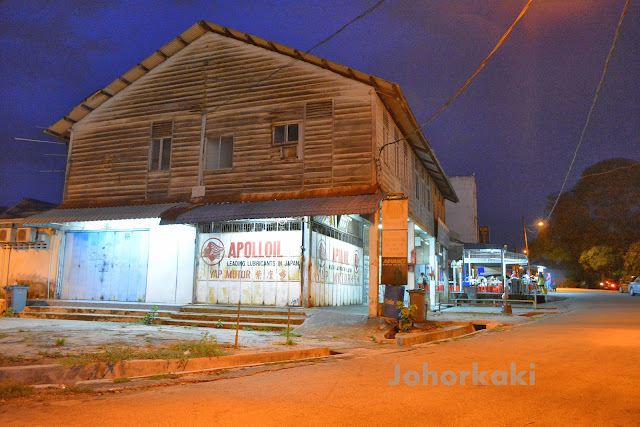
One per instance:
(515, 126)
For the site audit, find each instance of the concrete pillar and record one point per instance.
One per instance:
(306, 262)
(374, 257)
(433, 263)
(411, 246)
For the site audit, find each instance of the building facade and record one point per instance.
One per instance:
(226, 167)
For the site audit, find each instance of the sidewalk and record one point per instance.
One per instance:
(27, 341)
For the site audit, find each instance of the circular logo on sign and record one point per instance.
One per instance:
(212, 252)
(322, 253)
(356, 260)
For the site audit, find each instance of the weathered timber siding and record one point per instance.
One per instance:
(400, 173)
(217, 76)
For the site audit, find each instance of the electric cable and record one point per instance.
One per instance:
(610, 171)
(324, 41)
(593, 104)
(464, 86)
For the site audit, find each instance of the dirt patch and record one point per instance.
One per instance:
(538, 313)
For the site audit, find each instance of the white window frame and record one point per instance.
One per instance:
(218, 139)
(286, 133)
(161, 142)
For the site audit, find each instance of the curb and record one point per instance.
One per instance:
(55, 374)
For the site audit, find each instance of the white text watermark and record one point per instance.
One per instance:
(472, 377)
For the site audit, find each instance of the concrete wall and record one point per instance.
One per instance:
(171, 264)
(36, 268)
(462, 217)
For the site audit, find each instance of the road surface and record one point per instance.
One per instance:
(585, 363)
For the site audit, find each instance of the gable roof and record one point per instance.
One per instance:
(389, 93)
(26, 208)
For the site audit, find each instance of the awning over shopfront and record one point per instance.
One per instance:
(483, 257)
(56, 216)
(492, 255)
(363, 204)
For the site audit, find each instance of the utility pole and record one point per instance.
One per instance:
(526, 242)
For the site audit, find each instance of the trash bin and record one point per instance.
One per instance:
(417, 297)
(16, 297)
(472, 292)
(392, 295)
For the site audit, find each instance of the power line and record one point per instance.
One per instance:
(464, 86)
(612, 170)
(40, 140)
(593, 105)
(325, 40)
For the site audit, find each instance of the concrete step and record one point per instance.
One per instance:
(244, 318)
(223, 325)
(160, 320)
(144, 306)
(249, 310)
(90, 310)
(82, 316)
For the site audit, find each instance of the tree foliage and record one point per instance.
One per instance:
(603, 260)
(601, 211)
(632, 259)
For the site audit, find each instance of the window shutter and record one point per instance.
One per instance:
(162, 129)
(319, 109)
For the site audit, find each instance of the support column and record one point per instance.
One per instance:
(411, 246)
(433, 282)
(306, 262)
(374, 257)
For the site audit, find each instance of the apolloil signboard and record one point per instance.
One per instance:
(395, 213)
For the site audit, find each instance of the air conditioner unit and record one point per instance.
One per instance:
(26, 235)
(43, 238)
(7, 235)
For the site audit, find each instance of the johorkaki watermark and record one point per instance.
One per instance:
(472, 377)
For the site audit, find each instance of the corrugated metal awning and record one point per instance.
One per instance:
(364, 204)
(493, 256)
(56, 216)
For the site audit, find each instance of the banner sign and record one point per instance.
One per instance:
(250, 256)
(336, 262)
(394, 242)
(394, 271)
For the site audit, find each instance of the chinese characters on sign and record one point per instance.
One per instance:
(394, 242)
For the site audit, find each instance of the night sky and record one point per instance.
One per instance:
(516, 126)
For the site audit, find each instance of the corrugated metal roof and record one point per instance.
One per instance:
(389, 93)
(364, 204)
(493, 256)
(100, 214)
(25, 208)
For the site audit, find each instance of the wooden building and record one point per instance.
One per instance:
(233, 134)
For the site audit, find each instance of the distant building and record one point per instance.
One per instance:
(462, 217)
(27, 252)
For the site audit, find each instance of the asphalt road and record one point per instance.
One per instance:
(586, 365)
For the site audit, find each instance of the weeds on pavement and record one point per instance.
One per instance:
(11, 389)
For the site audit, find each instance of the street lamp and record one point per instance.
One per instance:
(540, 224)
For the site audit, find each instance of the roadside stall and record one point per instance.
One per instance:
(487, 269)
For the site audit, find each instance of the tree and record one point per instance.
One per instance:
(632, 259)
(603, 260)
(603, 209)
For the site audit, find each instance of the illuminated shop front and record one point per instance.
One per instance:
(261, 261)
(316, 256)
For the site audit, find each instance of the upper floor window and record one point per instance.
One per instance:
(286, 134)
(219, 153)
(160, 148)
